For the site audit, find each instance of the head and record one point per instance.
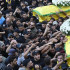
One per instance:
(2, 46)
(52, 19)
(21, 27)
(16, 32)
(47, 60)
(11, 52)
(44, 24)
(60, 57)
(28, 63)
(9, 7)
(14, 43)
(23, 15)
(1, 58)
(13, 61)
(22, 4)
(10, 36)
(18, 22)
(61, 19)
(36, 55)
(34, 2)
(32, 25)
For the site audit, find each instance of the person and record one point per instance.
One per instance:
(2, 64)
(28, 64)
(37, 60)
(64, 65)
(25, 42)
(12, 65)
(48, 63)
(3, 49)
(2, 19)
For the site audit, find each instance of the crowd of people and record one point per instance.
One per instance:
(26, 43)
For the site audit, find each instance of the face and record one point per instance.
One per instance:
(3, 48)
(21, 28)
(24, 16)
(18, 22)
(18, 10)
(53, 27)
(43, 25)
(11, 38)
(9, 7)
(30, 64)
(15, 61)
(37, 57)
(60, 58)
(15, 34)
(1, 59)
(52, 50)
(11, 27)
(59, 20)
(33, 3)
(14, 43)
(7, 20)
(60, 23)
(32, 25)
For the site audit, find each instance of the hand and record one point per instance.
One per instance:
(50, 43)
(37, 48)
(13, 41)
(36, 43)
(36, 66)
(61, 10)
(33, 45)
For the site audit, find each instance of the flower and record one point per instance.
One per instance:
(61, 2)
(65, 27)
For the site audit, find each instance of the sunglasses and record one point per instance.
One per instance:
(11, 37)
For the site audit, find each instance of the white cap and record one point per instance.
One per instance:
(21, 69)
(55, 23)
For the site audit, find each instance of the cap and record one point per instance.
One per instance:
(35, 52)
(16, 30)
(18, 45)
(55, 23)
(11, 51)
(1, 44)
(10, 34)
(21, 69)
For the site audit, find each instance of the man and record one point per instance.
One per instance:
(12, 64)
(37, 60)
(2, 65)
(33, 30)
(3, 49)
(2, 19)
(28, 64)
(9, 9)
(48, 64)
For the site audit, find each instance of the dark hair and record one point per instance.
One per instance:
(21, 25)
(17, 19)
(47, 60)
(44, 22)
(53, 19)
(61, 18)
(12, 59)
(60, 54)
